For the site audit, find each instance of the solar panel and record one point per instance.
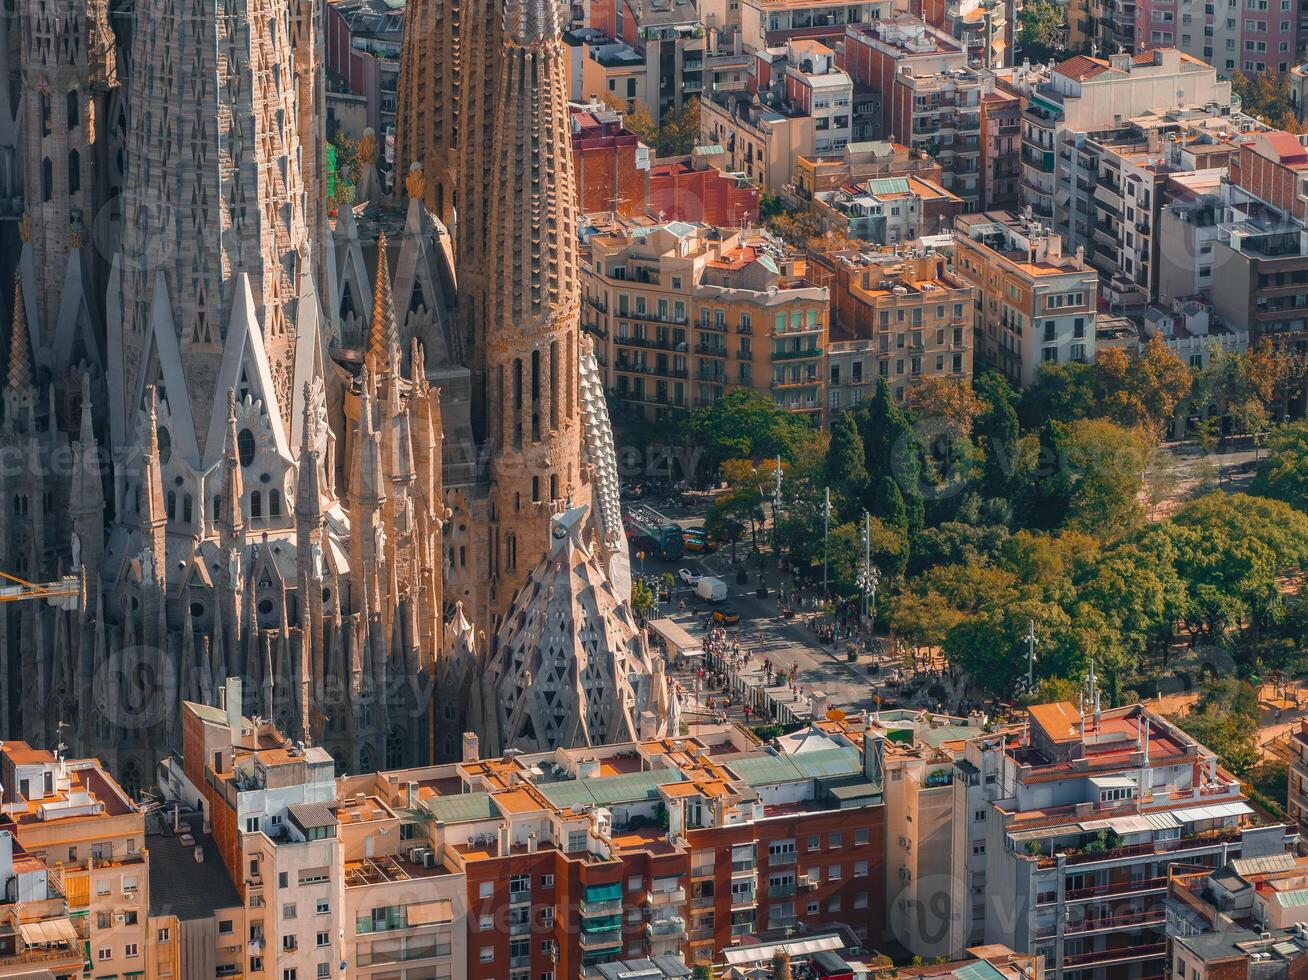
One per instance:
(468, 806)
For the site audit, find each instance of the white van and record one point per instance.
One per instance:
(711, 589)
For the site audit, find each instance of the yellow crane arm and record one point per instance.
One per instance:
(65, 593)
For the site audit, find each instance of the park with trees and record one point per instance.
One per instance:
(991, 513)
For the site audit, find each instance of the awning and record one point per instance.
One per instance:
(676, 637)
(426, 913)
(604, 893)
(1131, 825)
(1112, 782)
(763, 952)
(1214, 812)
(1022, 836)
(49, 931)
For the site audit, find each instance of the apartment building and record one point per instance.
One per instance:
(649, 52)
(1187, 231)
(1260, 271)
(859, 162)
(617, 174)
(37, 936)
(689, 312)
(816, 87)
(332, 879)
(1000, 117)
(933, 101)
(197, 918)
(758, 140)
(1254, 37)
(612, 164)
(1125, 177)
(888, 210)
(72, 817)
(920, 751)
(875, 54)
(1077, 819)
(1035, 304)
(1244, 919)
(900, 315)
(1084, 95)
(984, 27)
(361, 50)
(1297, 778)
(769, 23)
(572, 850)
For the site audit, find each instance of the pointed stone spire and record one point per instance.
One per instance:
(20, 387)
(383, 334)
(308, 484)
(86, 492)
(154, 519)
(231, 519)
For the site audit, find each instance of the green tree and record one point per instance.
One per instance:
(1225, 719)
(744, 425)
(1099, 475)
(1283, 475)
(1000, 437)
(723, 523)
(1041, 30)
(846, 471)
(891, 449)
(1234, 553)
(679, 133)
(643, 599)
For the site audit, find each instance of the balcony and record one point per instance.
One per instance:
(744, 900)
(1106, 923)
(1103, 957)
(649, 342)
(1117, 889)
(674, 928)
(702, 871)
(588, 910)
(653, 317)
(672, 896)
(790, 355)
(600, 940)
(713, 350)
(794, 382)
(1198, 842)
(713, 325)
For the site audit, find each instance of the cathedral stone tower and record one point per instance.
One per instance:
(481, 56)
(428, 128)
(68, 67)
(533, 352)
(207, 287)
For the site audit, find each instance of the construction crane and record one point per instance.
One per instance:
(63, 594)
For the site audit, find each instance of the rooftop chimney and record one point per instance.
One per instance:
(471, 747)
(233, 706)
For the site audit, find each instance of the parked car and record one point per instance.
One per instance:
(688, 576)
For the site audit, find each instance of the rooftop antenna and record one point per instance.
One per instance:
(61, 748)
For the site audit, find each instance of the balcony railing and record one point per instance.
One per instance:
(1199, 841)
(652, 342)
(787, 355)
(1123, 954)
(1134, 920)
(672, 896)
(600, 940)
(1116, 888)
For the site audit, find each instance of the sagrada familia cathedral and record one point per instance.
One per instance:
(353, 449)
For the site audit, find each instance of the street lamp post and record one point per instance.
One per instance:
(826, 531)
(868, 579)
(1030, 655)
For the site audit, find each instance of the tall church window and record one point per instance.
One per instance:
(74, 109)
(256, 504)
(47, 180)
(245, 446)
(274, 503)
(74, 171)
